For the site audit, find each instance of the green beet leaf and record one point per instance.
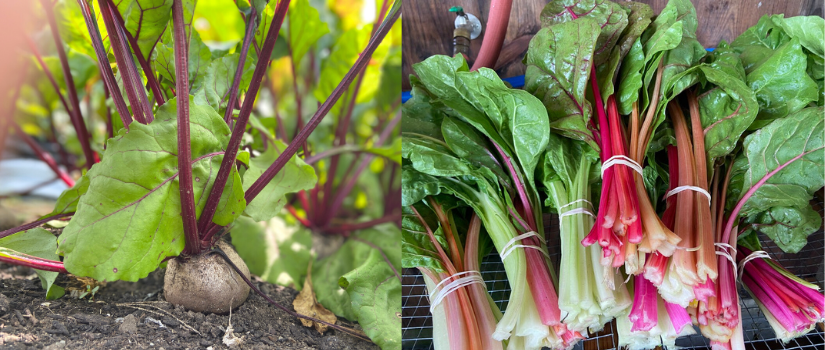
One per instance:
(146, 20)
(277, 251)
(356, 282)
(558, 63)
(40, 243)
(305, 28)
(129, 219)
(344, 53)
(219, 78)
(67, 202)
(200, 60)
(294, 177)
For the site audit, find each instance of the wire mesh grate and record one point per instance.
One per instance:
(808, 264)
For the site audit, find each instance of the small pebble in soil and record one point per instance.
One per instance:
(56, 346)
(129, 324)
(4, 304)
(58, 328)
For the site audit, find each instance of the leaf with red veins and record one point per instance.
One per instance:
(146, 20)
(129, 219)
(559, 62)
(611, 18)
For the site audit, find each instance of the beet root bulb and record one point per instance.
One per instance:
(206, 283)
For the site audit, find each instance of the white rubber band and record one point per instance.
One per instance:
(624, 160)
(754, 255)
(576, 201)
(685, 188)
(728, 251)
(437, 297)
(511, 245)
(576, 211)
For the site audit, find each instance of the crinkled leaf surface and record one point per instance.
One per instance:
(439, 75)
(759, 41)
(146, 20)
(558, 63)
(610, 17)
(781, 83)
(788, 227)
(793, 186)
(416, 247)
(276, 251)
(638, 18)
(40, 243)
(416, 185)
(727, 109)
(357, 283)
(129, 219)
(294, 177)
(433, 157)
(806, 29)
(305, 28)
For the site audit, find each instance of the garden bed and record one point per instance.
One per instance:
(149, 322)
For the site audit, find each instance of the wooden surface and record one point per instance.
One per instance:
(428, 25)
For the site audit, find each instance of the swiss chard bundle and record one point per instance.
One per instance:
(478, 140)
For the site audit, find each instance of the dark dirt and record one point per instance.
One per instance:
(29, 321)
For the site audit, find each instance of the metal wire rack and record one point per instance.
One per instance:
(808, 264)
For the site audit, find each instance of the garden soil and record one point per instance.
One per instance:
(29, 321)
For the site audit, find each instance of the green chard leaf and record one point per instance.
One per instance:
(558, 63)
(788, 227)
(781, 83)
(759, 41)
(294, 177)
(786, 195)
(356, 282)
(415, 186)
(727, 108)
(275, 250)
(610, 17)
(416, 247)
(129, 220)
(40, 243)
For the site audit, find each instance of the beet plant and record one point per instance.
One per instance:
(157, 178)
